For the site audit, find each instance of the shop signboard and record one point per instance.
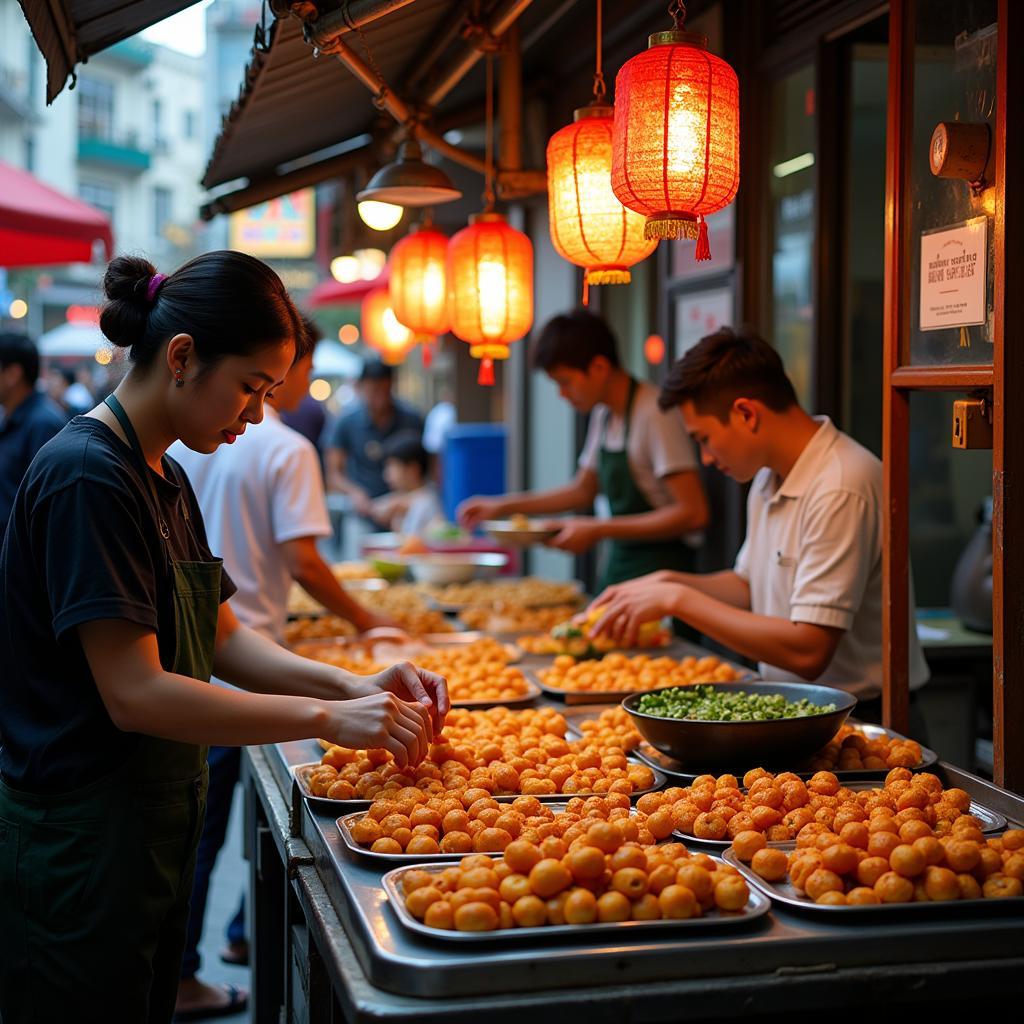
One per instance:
(282, 228)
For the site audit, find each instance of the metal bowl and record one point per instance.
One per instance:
(781, 743)
(537, 531)
(440, 568)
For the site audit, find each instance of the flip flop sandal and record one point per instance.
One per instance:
(237, 1002)
(239, 959)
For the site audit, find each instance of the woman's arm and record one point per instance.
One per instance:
(140, 696)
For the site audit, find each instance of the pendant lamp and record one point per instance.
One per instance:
(490, 275)
(676, 146)
(418, 284)
(381, 329)
(588, 225)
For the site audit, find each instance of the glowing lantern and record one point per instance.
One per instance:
(654, 349)
(490, 288)
(676, 155)
(589, 226)
(382, 330)
(419, 285)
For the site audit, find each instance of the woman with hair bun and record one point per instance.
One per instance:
(115, 619)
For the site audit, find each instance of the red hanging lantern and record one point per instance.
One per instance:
(654, 349)
(676, 155)
(418, 284)
(381, 329)
(490, 288)
(589, 226)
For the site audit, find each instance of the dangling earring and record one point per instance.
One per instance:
(179, 381)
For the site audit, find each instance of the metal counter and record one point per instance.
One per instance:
(348, 958)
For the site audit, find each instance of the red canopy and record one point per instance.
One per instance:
(39, 225)
(333, 293)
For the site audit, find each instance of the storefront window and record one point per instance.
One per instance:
(954, 80)
(791, 175)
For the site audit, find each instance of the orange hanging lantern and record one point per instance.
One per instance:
(676, 147)
(490, 288)
(589, 226)
(418, 284)
(654, 349)
(381, 329)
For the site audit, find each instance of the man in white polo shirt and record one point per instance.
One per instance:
(804, 597)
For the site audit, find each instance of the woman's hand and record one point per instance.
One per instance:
(414, 684)
(382, 720)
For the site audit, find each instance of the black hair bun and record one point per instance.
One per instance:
(123, 319)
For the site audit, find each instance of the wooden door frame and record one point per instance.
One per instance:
(1003, 378)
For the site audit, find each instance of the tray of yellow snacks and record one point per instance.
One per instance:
(599, 883)
(785, 807)
(573, 638)
(611, 727)
(353, 576)
(514, 622)
(528, 592)
(961, 872)
(857, 752)
(478, 668)
(618, 675)
(424, 828)
(417, 621)
(496, 752)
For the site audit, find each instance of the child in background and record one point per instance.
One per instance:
(412, 504)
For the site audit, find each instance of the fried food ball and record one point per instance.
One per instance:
(386, 845)
(440, 915)
(586, 863)
(476, 917)
(580, 907)
(366, 831)
(894, 888)
(710, 825)
(731, 893)
(1013, 839)
(613, 906)
(456, 842)
(420, 899)
(529, 912)
(970, 887)
(491, 840)
(549, 877)
(747, 843)
(832, 898)
(770, 864)
(861, 895)
(962, 855)
(840, 858)
(514, 887)
(677, 902)
(822, 880)
(646, 908)
(628, 857)
(422, 845)
(631, 882)
(907, 860)
(871, 869)
(998, 887)
(940, 884)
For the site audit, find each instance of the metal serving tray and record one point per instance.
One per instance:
(654, 758)
(300, 771)
(785, 893)
(757, 905)
(677, 650)
(346, 822)
(452, 607)
(991, 821)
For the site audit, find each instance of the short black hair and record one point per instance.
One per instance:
(407, 446)
(313, 332)
(20, 349)
(374, 369)
(729, 364)
(574, 340)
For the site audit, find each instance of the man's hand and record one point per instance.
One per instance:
(367, 620)
(473, 511)
(382, 719)
(410, 683)
(577, 535)
(627, 606)
(362, 503)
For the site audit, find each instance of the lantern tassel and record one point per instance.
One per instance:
(427, 353)
(486, 375)
(607, 275)
(669, 225)
(586, 290)
(703, 250)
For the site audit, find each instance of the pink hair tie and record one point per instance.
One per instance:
(154, 286)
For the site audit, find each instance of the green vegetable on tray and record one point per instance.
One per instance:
(712, 704)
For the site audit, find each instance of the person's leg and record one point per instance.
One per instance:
(224, 767)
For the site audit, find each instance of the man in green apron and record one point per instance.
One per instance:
(638, 457)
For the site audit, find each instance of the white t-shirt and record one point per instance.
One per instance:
(256, 494)
(813, 553)
(658, 444)
(424, 507)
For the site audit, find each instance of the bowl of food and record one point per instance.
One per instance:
(391, 568)
(441, 567)
(521, 531)
(728, 725)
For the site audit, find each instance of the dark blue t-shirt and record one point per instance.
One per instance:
(22, 434)
(82, 544)
(362, 441)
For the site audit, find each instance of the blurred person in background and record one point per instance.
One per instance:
(355, 447)
(308, 417)
(30, 418)
(412, 503)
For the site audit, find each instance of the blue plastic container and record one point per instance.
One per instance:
(474, 463)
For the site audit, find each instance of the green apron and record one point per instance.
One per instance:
(629, 559)
(96, 882)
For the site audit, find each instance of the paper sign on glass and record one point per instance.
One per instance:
(954, 275)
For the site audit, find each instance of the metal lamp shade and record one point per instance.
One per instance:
(410, 181)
